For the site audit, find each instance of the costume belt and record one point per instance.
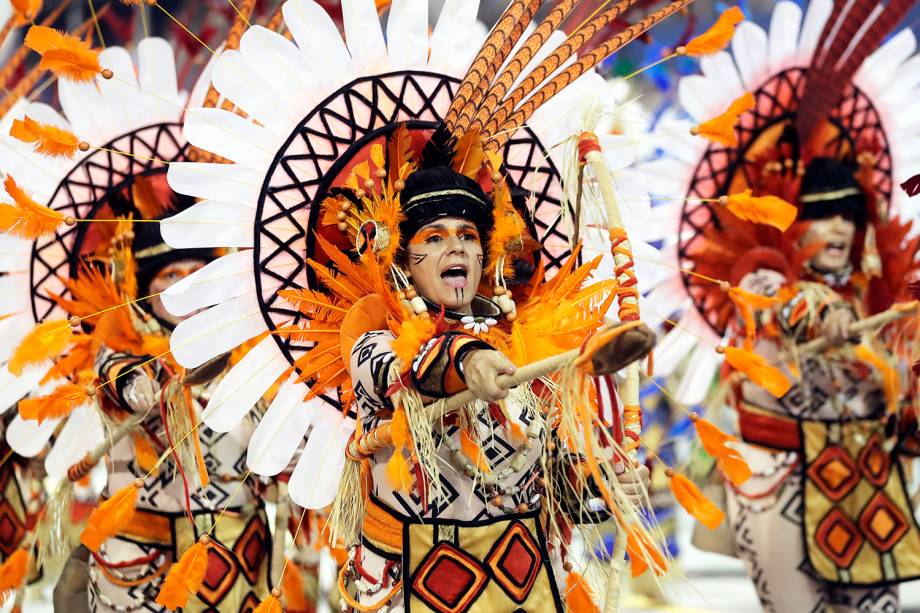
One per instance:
(768, 429)
(161, 529)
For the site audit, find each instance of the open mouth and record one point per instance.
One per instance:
(455, 275)
(836, 248)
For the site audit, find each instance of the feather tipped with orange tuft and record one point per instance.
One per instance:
(45, 342)
(578, 598)
(721, 129)
(49, 140)
(642, 551)
(110, 517)
(66, 56)
(185, 577)
(25, 11)
(292, 586)
(59, 403)
(758, 370)
(714, 442)
(270, 605)
(746, 303)
(26, 218)
(13, 571)
(768, 210)
(696, 504)
(891, 384)
(717, 37)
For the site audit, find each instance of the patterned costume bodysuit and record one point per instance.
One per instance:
(825, 520)
(128, 570)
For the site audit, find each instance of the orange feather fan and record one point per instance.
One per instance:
(66, 56)
(717, 37)
(26, 218)
(185, 577)
(45, 342)
(49, 139)
(25, 11)
(110, 517)
(746, 303)
(768, 210)
(59, 403)
(721, 129)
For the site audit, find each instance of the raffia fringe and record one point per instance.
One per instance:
(348, 508)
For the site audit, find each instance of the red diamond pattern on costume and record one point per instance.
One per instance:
(222, 572)
(12, 530)
(874, 463)
(515, 562)
(449, 580)
(882, 522)
(838, 537)
(834, 472)
(250, 549)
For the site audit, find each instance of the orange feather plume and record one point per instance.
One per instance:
(185, 577)
(469, 157)
(398, 473)
(891, 384)
(746, 303)
(45, 342)
(110, 517)
(78, 359)
(49, 139)
(642, 550)
(26, 218)
(59, 403)
(721, 129)
(13, 571)
(578, 597)
(728, 459)
(696, 504)
(292, 587)
(473, 451)
(717, 37)
(769, 210)
(25, 11)
(269, 605)
(413, 333)
(758, 370)
(66, 56)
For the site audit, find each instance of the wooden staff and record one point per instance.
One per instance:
(628, 301)
(618, 346)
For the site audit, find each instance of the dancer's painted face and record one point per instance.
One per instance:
(445, 262)
(837, 235)
(170, 274)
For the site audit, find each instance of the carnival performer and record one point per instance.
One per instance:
(205, 476)
(88, 210)
(825, 522)
(407, 275)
